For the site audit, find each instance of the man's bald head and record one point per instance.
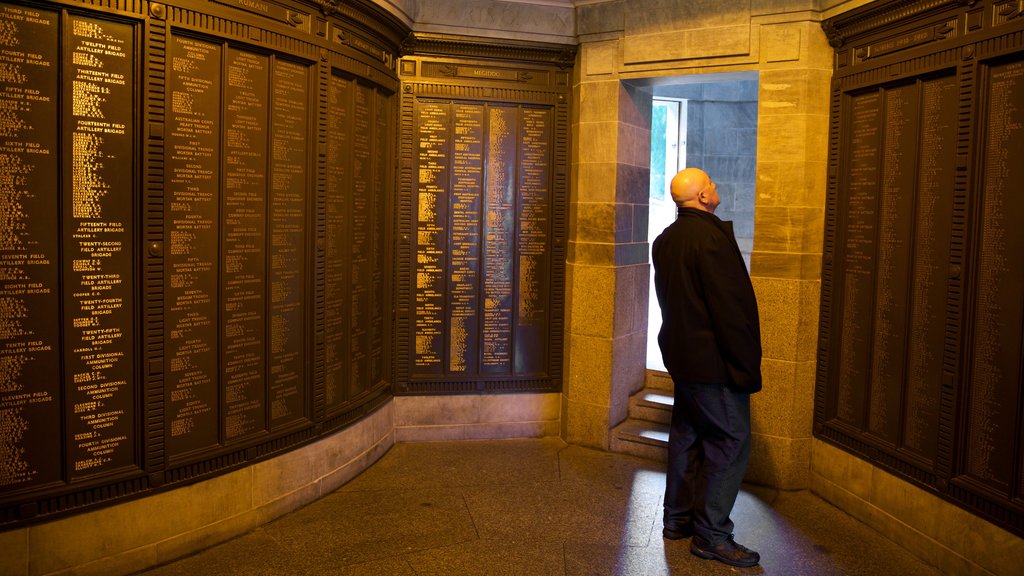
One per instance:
(693, 188)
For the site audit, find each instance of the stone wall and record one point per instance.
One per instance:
(721, 138)
(942, 534)
(476, 417)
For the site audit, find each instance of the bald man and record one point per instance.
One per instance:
(711, 341)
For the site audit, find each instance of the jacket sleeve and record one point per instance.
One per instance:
(732, 307)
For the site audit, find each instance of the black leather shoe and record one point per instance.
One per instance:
(728, 551)
(677, 532)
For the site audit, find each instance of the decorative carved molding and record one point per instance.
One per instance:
(567, 58)
(408, 45)
(835, 39)
(421, 44)
(1010, 9)
(370, 19)
(942, 30)
(329, 7)
(453, 71)
(876, 16)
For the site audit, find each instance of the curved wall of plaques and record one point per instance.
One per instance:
(194, 248)
(920, 342)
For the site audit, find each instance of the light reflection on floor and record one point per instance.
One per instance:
(535, 507)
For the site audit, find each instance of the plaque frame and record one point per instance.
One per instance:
(879, 47)
(516, 76)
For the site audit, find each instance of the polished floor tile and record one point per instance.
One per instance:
(535, 507)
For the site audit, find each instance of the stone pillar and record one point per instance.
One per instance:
(607, 268)
(786, 260)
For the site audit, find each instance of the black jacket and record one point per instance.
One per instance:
(710, 331)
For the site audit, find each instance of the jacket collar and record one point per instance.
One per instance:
(724, 225)
(698, 213)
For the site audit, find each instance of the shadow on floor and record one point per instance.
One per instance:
(535, 507)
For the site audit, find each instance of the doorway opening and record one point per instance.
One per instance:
(707, 121)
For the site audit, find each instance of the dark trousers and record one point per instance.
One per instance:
(708, 450)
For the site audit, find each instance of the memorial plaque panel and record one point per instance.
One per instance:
(336, 260)
(483, 209)
(243, 251)
(464, 237)
(499, 239)
(361, 239)
(30, 370)
(992, 427)
(933, 224)
(858, 257)
(533, 236)
(896, 199)
(191, 221)
(287, 278)
(488, 200)
(381, 148)
(432, 123)
(924, 292)
(98, 250)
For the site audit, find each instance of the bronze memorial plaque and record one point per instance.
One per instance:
(30, 236)
(381, 147)
(921, 342)
(433, 176)
(98, 247)
(932, 225)
(243, 259)
(533, 238)
(361, 246)
(892, 261)
(287, 282)
(336, 264)
(482, 224)
(993, 402)
(466, 185)
(483, 241)
(498, 236)
(858, 255)
(191, 265)
(355, 238)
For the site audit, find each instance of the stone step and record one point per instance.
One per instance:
(652, 405)
(655, 380)
(641, 438)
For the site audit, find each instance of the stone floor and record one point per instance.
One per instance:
(535, 507)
